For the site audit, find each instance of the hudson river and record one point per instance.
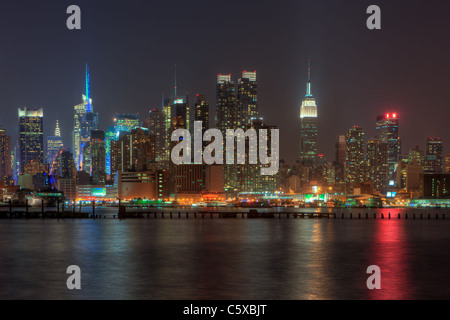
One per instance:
(268, 259)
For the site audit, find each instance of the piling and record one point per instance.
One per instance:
(382, 216)
(399, 215)
(170, 214)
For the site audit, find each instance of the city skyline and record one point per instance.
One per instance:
(352, 87)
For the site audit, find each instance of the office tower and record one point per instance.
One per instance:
(5, 157)
(249, 175)
(64, 165)
(90, 123)
(98, 157)
(86, 156)
(227, 117)
(387, 131)
(354, 160)
(308, 126)
(247, 98)
(434, 155)
(202, 111)
(79, 114)
(180, 115)
(416, 155)
(84, 121)
(125, 122)
(227, 112)
(133, 151)
(340, 149)
(110, 135)
(31, 137)
(54, 145)
(156, 128)
(377, 158)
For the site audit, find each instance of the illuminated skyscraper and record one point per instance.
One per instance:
(54, 145)
(227, 117)
(202, 111)
(31, 137)
(308, 126)
(340, 149)
(377, 158)
(98, 157)
(85, 120)
(110, 135)
(125, 122)
(434, 156)
(227, 112)
(247, 98)
(355, 159)
(5, 156)
(156, 128)
(387, 131)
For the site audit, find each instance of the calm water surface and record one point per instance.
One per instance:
(226, 258)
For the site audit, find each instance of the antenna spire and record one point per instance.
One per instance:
(308, 85)
(88, 90)
(175, 82)
(57, 130)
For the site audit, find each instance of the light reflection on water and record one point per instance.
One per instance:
(225, 259)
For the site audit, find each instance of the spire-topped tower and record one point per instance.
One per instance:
(57, 130)
(308, 125)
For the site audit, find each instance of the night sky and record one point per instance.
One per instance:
(131, 47)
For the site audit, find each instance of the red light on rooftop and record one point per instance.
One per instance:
(388, 115)
(320, 155)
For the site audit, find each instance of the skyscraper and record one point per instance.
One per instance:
(156, 128)
(247, 98)
(54, 144)
(98, 157)
(308, 126)
(227, 117)
(387, 131)
(377, 158)
(31, 137)
(226, 113)
(125, 122)
(202, 111)
(110, 135)
(5, 156)
(85, 120)
(355, 160)
(340, 150)
(434, 155)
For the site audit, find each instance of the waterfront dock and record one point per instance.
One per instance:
(124, 212)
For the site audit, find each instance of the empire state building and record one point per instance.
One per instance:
(308, 125)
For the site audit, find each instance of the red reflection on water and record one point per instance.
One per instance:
(390, 253)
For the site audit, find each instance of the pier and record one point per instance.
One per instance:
(124, 212)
